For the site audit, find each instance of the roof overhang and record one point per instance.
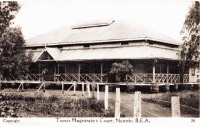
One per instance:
(115, 53)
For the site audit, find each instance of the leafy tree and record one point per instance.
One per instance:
(14, 61)
(190, 50)
(8, 10)
(120, 70)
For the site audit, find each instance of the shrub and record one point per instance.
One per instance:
(119, 71)
(40, 106)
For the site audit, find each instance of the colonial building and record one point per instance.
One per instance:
(85, 52)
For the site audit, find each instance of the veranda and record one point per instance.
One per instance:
(152, 73)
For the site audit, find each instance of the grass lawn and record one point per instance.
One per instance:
(54, 104)
(189, 101)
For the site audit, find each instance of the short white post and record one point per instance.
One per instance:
(83, 89)
(74, 87)
(154, 71)
(88, 90)
(97, 92)
(137, 104)
(175, 106)
(106, 97)
(117, 103)
(62, 88)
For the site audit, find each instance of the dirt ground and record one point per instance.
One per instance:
(127, 101)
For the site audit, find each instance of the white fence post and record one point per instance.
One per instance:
(82, 88)
(137, 104)
(117, 103)
(106, 97)
(175, 106)
(97, 91)
(88, 90)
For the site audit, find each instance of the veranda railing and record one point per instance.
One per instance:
(148, 77)
(85, 77)
(97, 77)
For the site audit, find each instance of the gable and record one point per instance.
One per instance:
(45, 56)
(48, 54)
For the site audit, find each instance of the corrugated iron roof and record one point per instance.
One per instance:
(134, 52)
(115, 53)
(36, 54)
(54, 52)
(115, 31)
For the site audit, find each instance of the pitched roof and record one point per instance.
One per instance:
(36, 55)
(116, 53)
(107, 31)
(133, 52)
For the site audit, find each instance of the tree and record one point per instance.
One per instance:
(120, 70)
(190, 50)
(8, 10)
(14, 61)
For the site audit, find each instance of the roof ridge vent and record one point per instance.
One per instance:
(95, 24)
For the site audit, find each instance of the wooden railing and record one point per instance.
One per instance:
(137, 77)
(171, 78)
(28, 77)
(148, 78)
(96, 77)
(140, 77)
(90, 77)
(186, 78)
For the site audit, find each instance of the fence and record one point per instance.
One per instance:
(137, 105)
(96, 77)
(175, 103)
(137, 112)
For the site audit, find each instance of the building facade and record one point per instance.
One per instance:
(85, 53)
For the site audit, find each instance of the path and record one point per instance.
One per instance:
(127, 100)
(148, 109)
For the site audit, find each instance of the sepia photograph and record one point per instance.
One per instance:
(99, 61)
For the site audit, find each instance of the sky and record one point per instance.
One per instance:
(40, 16)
